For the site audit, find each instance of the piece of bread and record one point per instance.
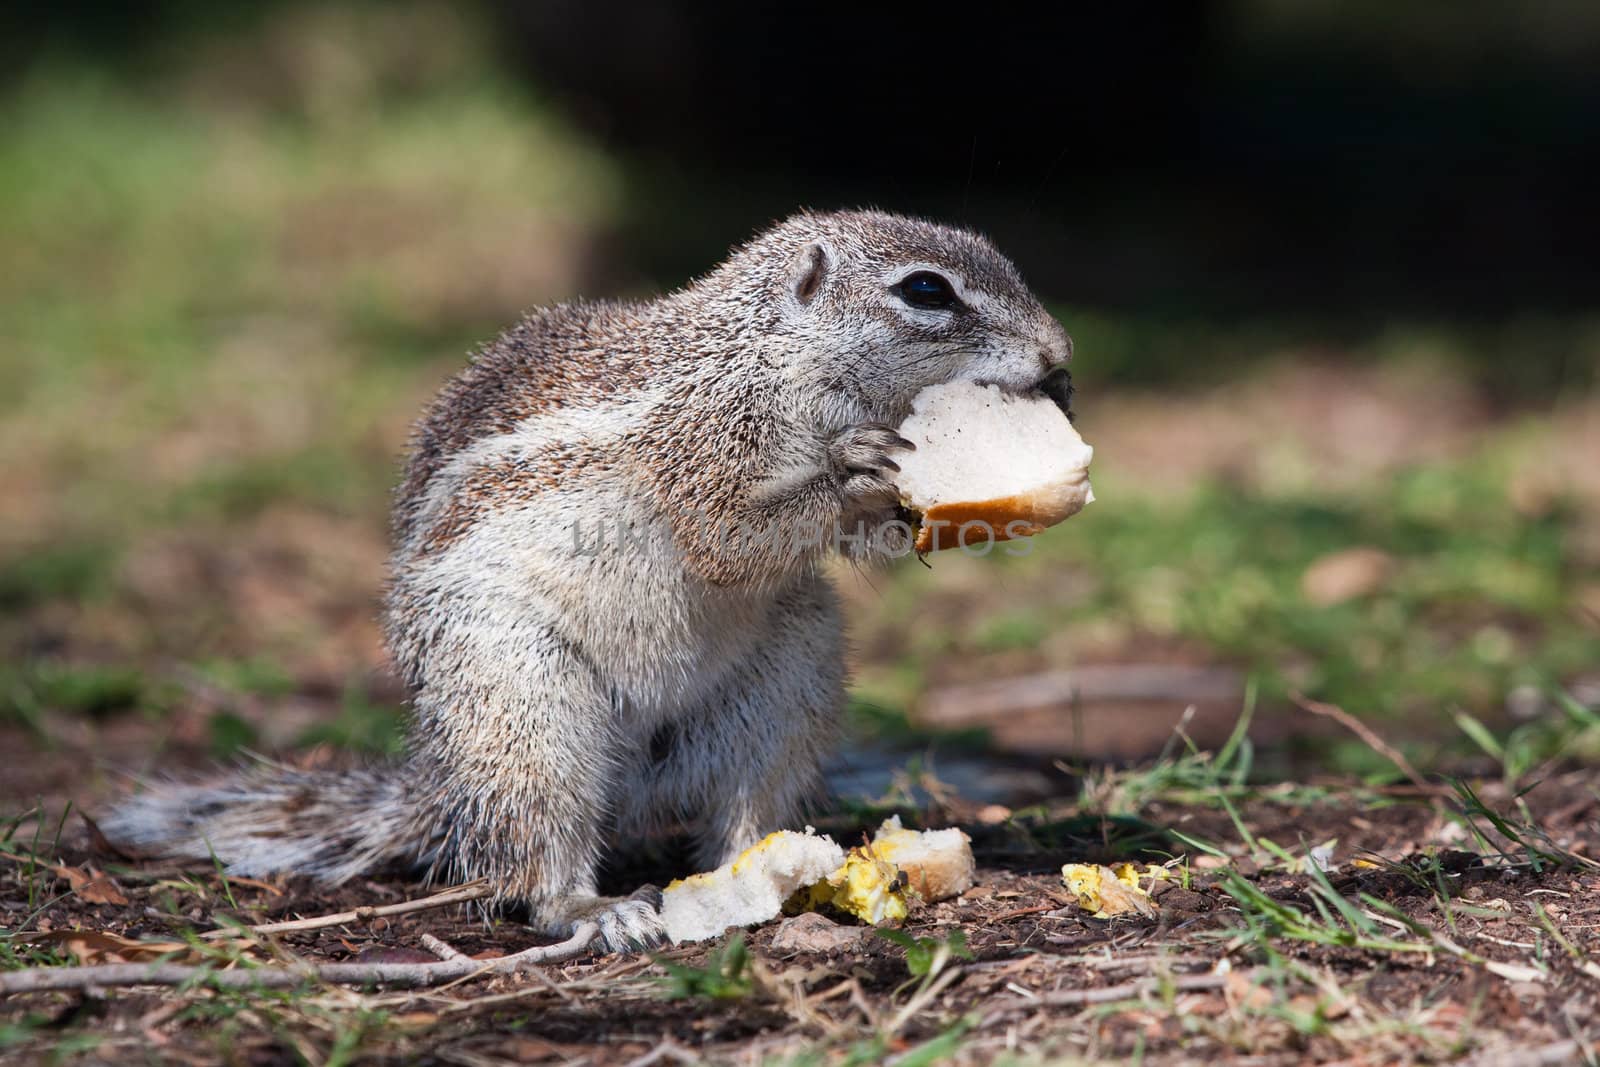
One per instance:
(989, 466)
(751, 889)
(937, 864)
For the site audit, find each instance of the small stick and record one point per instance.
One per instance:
(922, 998)
(1019, 912)
(39, 979)
(1369, 738)
(455, 895)
(1560, 1052)
(443, 950)
(1077, 998)
(667, 1050)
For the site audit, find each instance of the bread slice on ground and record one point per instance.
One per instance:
(989, 466)
(751, 889)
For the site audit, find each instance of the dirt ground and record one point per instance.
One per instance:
(1460, 950)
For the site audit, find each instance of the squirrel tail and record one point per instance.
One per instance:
(270, 819)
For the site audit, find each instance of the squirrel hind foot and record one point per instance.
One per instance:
(627, 924)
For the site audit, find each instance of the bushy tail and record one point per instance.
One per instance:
(269, 819)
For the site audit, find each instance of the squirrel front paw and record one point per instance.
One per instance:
(860, 459)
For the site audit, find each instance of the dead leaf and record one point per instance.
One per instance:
(91, 886)
(810, 932)
(1348, 574)
(538, 1050)
(993, 814)
(255, 883)
(1241, 992)
(1514, 972)
(98, 946)
(1203, 1004)
(98, 842)
(101, 946)
(151, 1023)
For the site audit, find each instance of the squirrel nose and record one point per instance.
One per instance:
(1056, 349)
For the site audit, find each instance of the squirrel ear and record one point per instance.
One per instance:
(807, 272)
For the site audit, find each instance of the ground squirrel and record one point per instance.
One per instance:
(592, 657)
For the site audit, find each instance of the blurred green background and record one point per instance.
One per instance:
(1329, 268)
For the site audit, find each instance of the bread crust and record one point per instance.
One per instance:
(971, 523)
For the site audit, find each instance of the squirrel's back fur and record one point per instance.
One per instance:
(591, 654)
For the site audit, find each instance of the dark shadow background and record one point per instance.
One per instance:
(1341, 161)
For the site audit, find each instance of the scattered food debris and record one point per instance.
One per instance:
(1105, 892)
(789, 871)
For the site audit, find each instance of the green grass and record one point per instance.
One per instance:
(91, 690)
(226, 287)
(722, 977)
(1572, 732)
(1478, 602)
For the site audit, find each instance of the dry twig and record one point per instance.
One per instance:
(1077, 998)
(443, 949)
(1368, 738)
(455, 895)
(1573, 1051)
(1152, 683)
(39, 979)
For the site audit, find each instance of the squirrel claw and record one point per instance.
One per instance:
(865, 449)
(860, 459)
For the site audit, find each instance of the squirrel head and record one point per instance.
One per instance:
(875, 307)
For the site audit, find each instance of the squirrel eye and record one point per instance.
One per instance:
(925, 289)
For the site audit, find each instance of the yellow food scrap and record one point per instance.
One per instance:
(1105, 893)
(867, 886)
